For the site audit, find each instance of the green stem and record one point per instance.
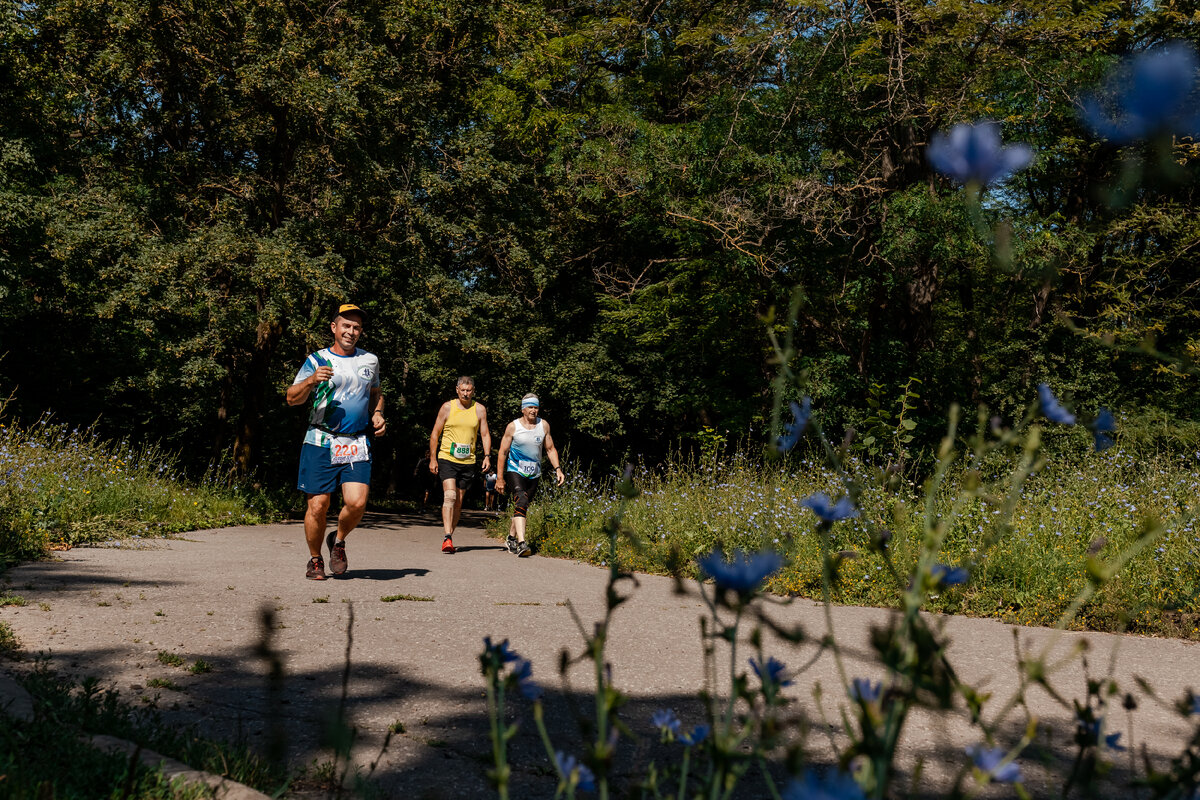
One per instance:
(495, 701)
(683, 772)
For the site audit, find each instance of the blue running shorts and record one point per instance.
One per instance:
(319, 476)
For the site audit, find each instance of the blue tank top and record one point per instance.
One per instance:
(525, 452)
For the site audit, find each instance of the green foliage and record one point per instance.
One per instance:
(598, 202)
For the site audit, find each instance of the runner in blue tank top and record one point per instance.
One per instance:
(520, 462)
(343, 382)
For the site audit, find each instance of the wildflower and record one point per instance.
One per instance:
(1101, 426)
(1052, 408)
(792, 432)
(824, 507)
(949, 576)
(501, 651)
(575, 772)
(974, 154)
(698, 735)
(665, 720)
(744, 572)
(864, 691)
(991, 761)
(523, 673)
(771, 673)
(1110, 741)
(835, 785)
(1150, 95)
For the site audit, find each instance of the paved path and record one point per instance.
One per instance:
(108, 612)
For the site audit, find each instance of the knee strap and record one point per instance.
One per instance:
(449, 498)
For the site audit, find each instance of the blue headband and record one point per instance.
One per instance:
(532, 401)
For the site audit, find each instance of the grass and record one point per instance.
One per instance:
(200, 666)
(1026, 569)
(32, 754)
(163, 683)
(170, 659)
(391, 598)
(8, 639)
(62, 487)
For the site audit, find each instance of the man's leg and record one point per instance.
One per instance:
(314, 522)
(354, 503)
(450, 503)
(460, 495)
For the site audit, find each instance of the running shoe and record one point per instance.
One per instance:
(316, 569)
(523, 550)
(511, 543)
(337, 555)
(448, 546)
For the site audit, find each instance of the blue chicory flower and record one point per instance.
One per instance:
(744, 572)
(989, 760)
(1090, 729)
(835, 785)
(1051, 408)
(974, 154)
(771, 672)
(698, 735)
(824, 507)
(1153, 94)
(949, 576)
(523, 672)
(792, 432)
(864, 691)
(665, 720)
(501, 650)
(569, 766)
(1102, 425)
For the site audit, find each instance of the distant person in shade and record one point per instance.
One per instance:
(525, 440)
(452, 452)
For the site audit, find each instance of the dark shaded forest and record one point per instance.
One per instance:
(598, 201)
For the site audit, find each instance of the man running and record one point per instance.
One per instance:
(520, 461)
(343, 382)
(452, 452)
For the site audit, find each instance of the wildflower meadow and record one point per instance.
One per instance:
(62, 486)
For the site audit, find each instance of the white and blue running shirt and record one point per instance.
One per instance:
(341, 405)
(525, 452)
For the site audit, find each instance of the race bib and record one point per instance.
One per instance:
(529, 469)
(348, 449)
(459, 450)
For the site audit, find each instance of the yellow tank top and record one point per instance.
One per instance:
(459, 434)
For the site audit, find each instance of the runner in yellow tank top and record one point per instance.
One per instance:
(452, 452)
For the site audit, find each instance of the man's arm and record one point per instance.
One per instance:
(552, 454)
(502, 458)
(435, 437)
(376, 404)
(486, 435)
(297, 393)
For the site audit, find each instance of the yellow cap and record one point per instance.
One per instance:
(346, 308)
